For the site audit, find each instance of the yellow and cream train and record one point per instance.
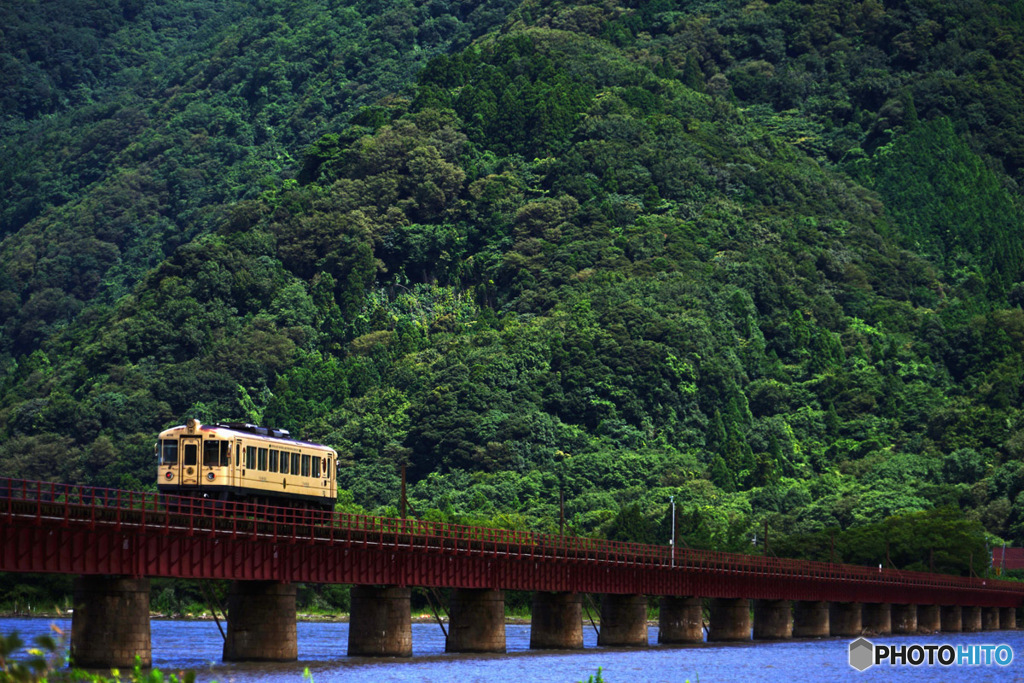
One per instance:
(243, 462)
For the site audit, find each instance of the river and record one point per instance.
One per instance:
(196, 645)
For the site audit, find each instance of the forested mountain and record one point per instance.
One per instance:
(763, 257)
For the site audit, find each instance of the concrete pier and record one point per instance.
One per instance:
(557, 621)
(876, 618)
(1007, 618)
(810, 619)
(477, 621)
(989, 618)
(951, 619)
(729, 619)
(773, 619)
(844, 619)
(929, 619)
(380, 624)
(904, 618)
(623, 620)
(971, 619)
(681, 620)
(261, 622)
(110, 624)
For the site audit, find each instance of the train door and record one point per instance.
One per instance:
(236, 464)
(190, 448)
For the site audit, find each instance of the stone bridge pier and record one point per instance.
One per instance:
(110, 622)
(261, 622)
(557, 621)
(623, 620)
(380, 621)
(680, 620)
(477, 621)
(729, 619)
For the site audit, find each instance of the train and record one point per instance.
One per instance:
(238, 461)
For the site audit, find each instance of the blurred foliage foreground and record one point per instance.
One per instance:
(46, 661)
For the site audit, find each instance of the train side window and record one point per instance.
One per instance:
(250, 457)
(225, 453)
(274, 459)
(316, 468)
(305, 464)
(261, 463)
(211, 453)
(295, 464)
(284, 462)
(168, 452)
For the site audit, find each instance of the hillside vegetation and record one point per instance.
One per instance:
(762, 257)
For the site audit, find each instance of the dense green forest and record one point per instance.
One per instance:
(763, 257)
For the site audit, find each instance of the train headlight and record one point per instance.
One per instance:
(169, 475)
(211, 476)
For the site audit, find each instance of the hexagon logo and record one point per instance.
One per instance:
(862, 654)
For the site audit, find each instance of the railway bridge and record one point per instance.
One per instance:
(115, 541)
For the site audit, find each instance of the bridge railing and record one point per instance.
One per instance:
(73, 504)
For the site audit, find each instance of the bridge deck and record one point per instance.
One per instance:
(48, 527)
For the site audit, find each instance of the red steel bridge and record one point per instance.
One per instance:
(47, 527)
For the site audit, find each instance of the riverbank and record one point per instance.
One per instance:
(339, 618)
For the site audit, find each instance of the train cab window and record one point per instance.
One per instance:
(191, 455)
(274, 453)
(168, 452)
(295, 464)
(316, 468)
(250, 457)
(305, 464)
(261, 463)
(211, 453)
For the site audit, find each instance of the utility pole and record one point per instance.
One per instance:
(672, 543)
(402, 503)
(561, 512)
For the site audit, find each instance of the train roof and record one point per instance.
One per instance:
(230, 429)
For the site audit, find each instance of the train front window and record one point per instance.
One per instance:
(168, 452)
(211, 453)
(191, 453)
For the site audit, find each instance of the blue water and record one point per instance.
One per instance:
(196, 645)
